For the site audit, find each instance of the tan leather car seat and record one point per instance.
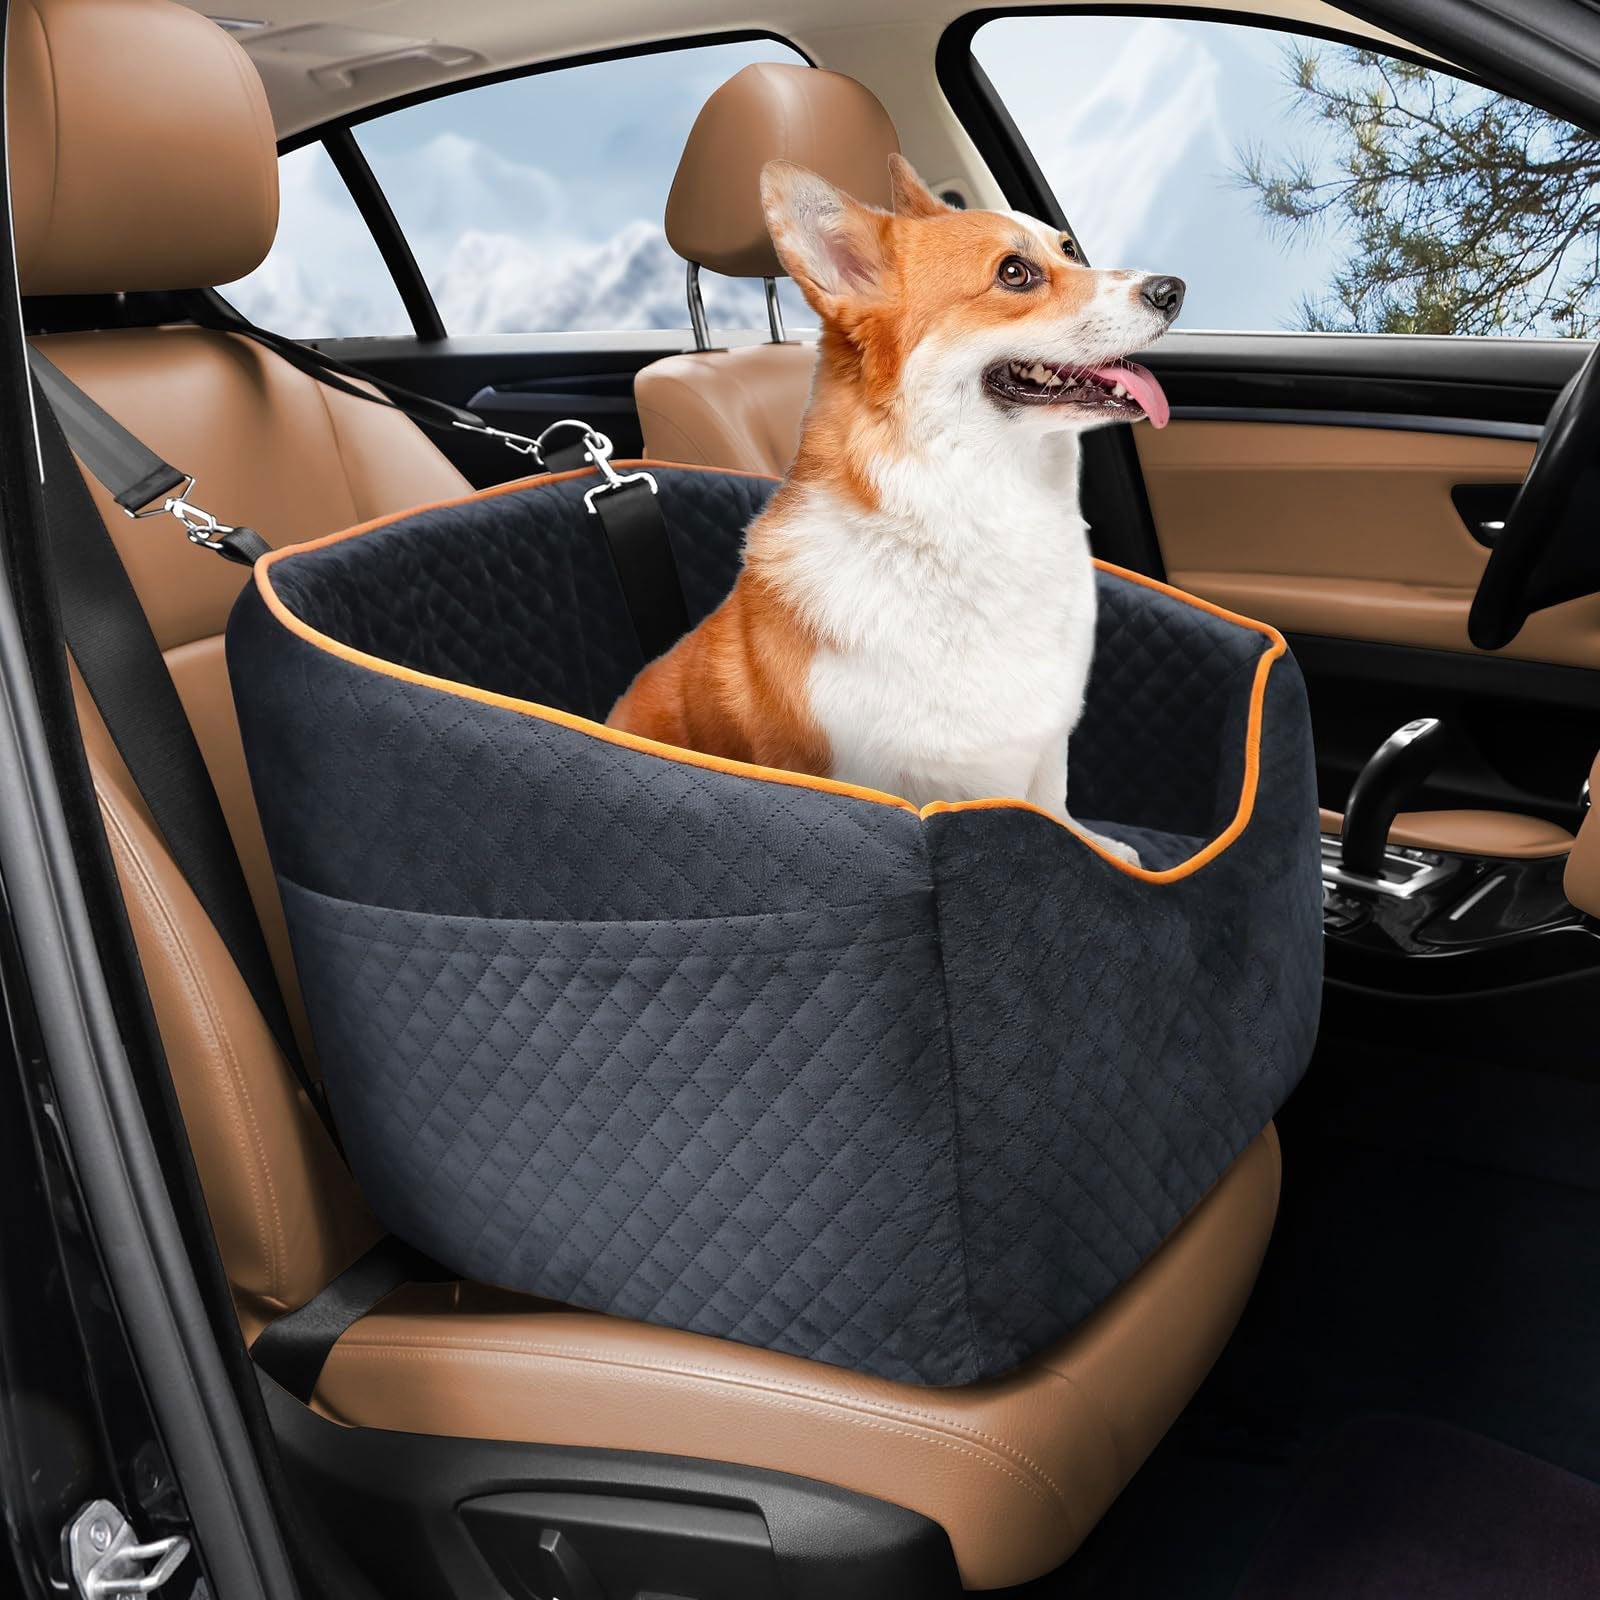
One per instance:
(741, 407)
(110, 195)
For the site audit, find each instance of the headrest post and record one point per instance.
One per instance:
(697, 310)
(774, 311)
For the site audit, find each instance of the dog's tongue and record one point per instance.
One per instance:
(1141, 383)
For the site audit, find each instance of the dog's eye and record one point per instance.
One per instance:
(1015, 273)
(1069, 249)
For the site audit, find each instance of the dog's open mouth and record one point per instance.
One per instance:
(1118, 389)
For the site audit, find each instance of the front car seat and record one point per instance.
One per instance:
(1014, 1470)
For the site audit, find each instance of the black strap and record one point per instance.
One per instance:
(636, 535)
(635, 530)
(117, 655)
(131, 472)
(293, 1348)
(210, 310)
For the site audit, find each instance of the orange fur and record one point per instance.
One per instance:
(735, 686)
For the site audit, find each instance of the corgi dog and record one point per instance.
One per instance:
(915, 612)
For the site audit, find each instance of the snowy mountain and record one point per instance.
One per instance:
(494, 283)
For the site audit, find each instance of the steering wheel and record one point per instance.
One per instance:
(1549, 549)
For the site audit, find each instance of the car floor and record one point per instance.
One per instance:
(1436, 1261)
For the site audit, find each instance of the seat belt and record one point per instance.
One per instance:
(120, 661)
(122, 666)
(117, 656)
(292, 1349)
(641, 555)
(131, 472)
(625, 503)
(209, 310)
(635, 531)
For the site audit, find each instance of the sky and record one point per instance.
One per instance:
(535, 204)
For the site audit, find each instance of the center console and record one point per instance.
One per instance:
(1415, 919)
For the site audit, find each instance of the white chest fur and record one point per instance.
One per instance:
(959, 625)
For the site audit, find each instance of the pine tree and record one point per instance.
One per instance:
(1463, 211)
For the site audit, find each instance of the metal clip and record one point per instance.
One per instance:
(598, 449)
(198, 523)
(524, 446)
(519, 443)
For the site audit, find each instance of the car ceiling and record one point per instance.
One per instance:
(324, 61)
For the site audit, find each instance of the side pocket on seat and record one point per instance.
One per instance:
(735, 1125)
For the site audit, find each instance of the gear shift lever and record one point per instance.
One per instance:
(1392, 772)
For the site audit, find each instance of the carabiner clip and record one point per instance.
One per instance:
(598, 449)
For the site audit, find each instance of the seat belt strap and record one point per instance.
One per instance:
(122, 666)
(131, 472)
(210, 310)
(292, 1349)
(641, 554)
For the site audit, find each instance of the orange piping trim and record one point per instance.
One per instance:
(530, 708)
(745, 769)
(1252, 749)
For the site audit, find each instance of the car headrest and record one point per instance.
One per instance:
(770, 112)
(142, 149)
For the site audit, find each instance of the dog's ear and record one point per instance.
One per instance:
(912, 197)
(831, 245)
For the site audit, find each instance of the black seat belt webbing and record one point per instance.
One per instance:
(130, 471)
(210, 310)
(122, 666)
(635, 531)
(641, 553)
(293, 1348)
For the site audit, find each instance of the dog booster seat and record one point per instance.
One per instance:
(745, 1052)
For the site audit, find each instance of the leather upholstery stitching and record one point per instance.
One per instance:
(360, 1337)
(398, 1350)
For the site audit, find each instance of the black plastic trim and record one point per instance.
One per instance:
(1115, 504)
(1547, 52)
(1368, 380)
(1538, 682)
(395, 248)
(991, 127)
(1382, 421)
(396, 1499)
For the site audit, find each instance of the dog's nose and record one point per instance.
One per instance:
(1164, 295)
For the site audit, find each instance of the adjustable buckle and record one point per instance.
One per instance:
(201, 527)
(598, 450)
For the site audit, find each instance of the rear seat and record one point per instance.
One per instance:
(116, 188)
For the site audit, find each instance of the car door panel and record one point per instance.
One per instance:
(1312, 481)
(1345, 531)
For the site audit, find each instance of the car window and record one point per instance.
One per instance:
(535, 204)
(324, 277)
(1297, 183)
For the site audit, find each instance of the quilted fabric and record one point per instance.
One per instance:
(911, 1095)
